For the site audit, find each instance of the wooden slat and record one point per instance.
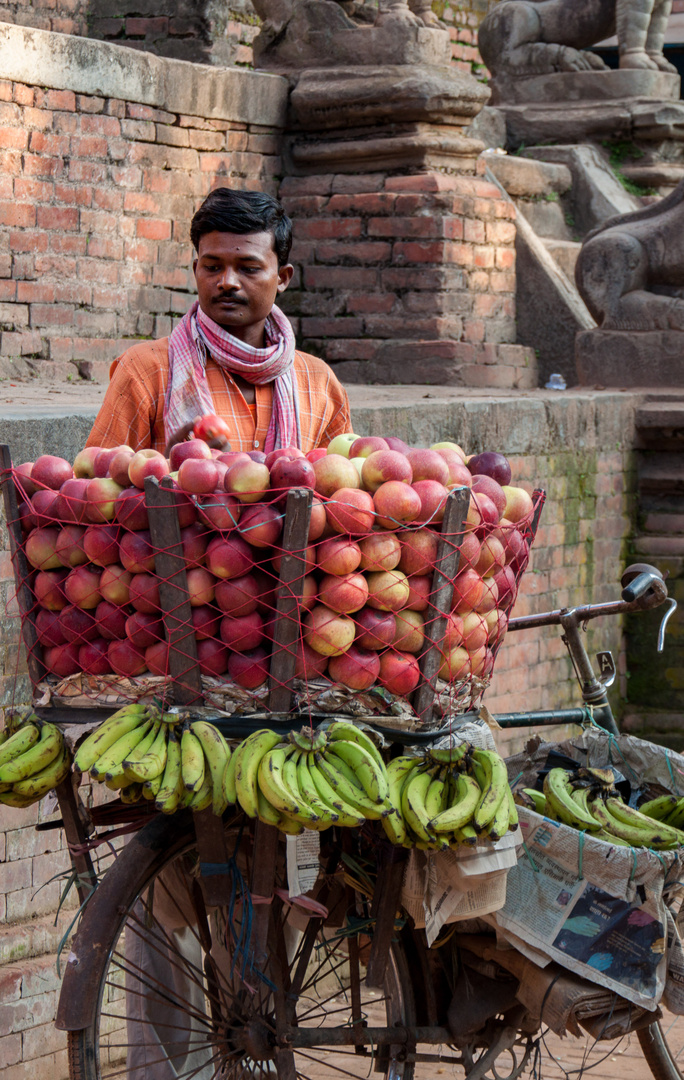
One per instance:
(441, 596)
(213, 853)
(169, 564)
(538, 498)
(286, 628)
(261, 885)
(391, 869)
(22, 570)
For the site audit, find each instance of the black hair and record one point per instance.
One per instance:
(242, 212)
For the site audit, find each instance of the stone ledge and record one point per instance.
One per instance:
(630, 358)
(98, 68)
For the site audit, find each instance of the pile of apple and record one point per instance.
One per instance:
(367, 568)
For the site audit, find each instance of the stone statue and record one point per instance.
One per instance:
(630, 271)
(537, 37)
(417, 12)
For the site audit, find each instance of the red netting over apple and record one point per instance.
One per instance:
(383, 587)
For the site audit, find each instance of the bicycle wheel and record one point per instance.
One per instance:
(175, 997)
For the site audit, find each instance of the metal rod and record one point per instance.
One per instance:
(300, 1038)
(541, 719)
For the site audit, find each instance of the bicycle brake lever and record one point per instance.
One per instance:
(672, 607)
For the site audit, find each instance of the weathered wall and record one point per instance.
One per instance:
(576, 446)
(102, 165)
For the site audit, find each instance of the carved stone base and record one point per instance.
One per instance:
(565, 87)
(630, 358)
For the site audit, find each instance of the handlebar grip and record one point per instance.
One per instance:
(638, 587)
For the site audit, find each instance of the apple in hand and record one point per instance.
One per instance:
(316, 455)
(211, 428)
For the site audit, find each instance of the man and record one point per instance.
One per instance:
(233, 353)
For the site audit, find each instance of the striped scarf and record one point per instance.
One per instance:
(188, 394)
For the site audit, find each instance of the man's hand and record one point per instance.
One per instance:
(186, 432)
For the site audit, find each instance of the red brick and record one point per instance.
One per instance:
(18, 214)
(35, 291)
(306, 185)
(42, 165)
(372, 202)
(28, 241)
(13, 138)
(423, 182)
(339, 277)
(406, 227)
(500, 232)
(329, 229)
(153, 229)
(89, 146)
(139, 27)
(505, 259)
(60, 99)
(54, 217)
(37, 118)
(42, 142)
(362, 252)
(371, 303)
(51, 315)
(23, 95)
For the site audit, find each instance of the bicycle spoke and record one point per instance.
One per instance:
(329, 1064)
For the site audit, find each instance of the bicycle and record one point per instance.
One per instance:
(245, 982)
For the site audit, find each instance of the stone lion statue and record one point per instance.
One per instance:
(537, 37)
(630, 271)
(278, 12)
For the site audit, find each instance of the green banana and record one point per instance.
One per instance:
(343, 781)
(290, 825)
(38, 784)
(118, 772)
(151, 787)
(636, 836)
(460, 813)
(229, 774)
(397, 772)
(18, 743)
(150, 755)
(498, 826)
(435, 800)
(112, 759)
(630, 816)
(120, 723)
(192, 760)
(581, 796)
(203, 796)
(306, 813)
(216, 752)
(10, 798)
(169, 793)
(559, 797)
(309, 793)
(513, 817)
(37, 757)
(343, 730)
(252, 751)
(308, 740)
(413, 810)
(131, 793)
(466, 836)
(346, 814)
(448, 755)
(537, 798)
(659, 809)
(271, 782)
(493, 790)
(265, 812)
(371, 775)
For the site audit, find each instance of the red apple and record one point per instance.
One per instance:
(468, 591)
(334, 472)
(428, 465)
(284, 453)
(157, 658)
(229, 557)
(327, 632)
(147, 463)
(491, 464)
(126, 659)
(194, 540)
(205, 620)
(84, 461)
(289, 473)
(120, 464)
(469, 551)
(143, 629)
(130, 509)
(399, 672)
(455, 665)
(478, 661)
(47, 627)
(101, 495)
(111, 620)
(397, 444)
(44, 507)
(309, 664)
(219, 511)
(459, 475)
(185, 508)
(212, 657)
(249, 670)
(396, 504)
(452, 447)
(48, 589)
(198, 475)
(231, 457)
(76, 624)
(418, 551)
(70, 546)
(506, 586)
(433, 497)
(375, 629)
(380, 551)
(26, 519)
(92, 657)
(475, 631)
(201, 586)
(22, 479)
(238, 596)
(82, 587)
(388, 590)
(103, 460)
(51, 472)
(350, 511)
(420, 589)
(357, 668)
(409, 635)
(72, 502)
(261, 525)
(257, 455)
(484, 485)
(115, 584)
(41, 548)
(519, 505)
(482, 513)
(492, 557)
(512, 539)
(497, 624)
(266, 598)
(101, 544)
(316, 455)
(248, 480)
(367, 445)
(244, 633)
(453, 633)
(318, 520)
(136, 551)
(309, 592)
(338, 556)
(384, 465)
(62, 660)
(343, 594)
(191, 448)
(143, 593)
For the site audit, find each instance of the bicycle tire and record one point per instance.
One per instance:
(660, 1056)
(162, 852)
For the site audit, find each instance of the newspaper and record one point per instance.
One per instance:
(596, 909)
(303, 861)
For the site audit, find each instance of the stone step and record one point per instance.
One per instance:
(524, 178)
(659, 723)
(546, 217)
(661, 416)
(668, 546)
(664, 524)
(565, 252)
(39, 937)
(661, 473)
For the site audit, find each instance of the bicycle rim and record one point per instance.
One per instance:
(176, 1004)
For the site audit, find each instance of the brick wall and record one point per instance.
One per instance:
(96, 197)
(62, 16)
(407, 279)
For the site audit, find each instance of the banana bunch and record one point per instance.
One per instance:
(309, 780)
(34, 759)
(449, 797)
(586, 799)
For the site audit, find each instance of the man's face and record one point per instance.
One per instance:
(238, 280)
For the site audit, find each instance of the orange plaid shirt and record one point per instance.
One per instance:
(132, 412)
